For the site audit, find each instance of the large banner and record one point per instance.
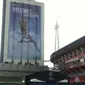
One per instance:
(23, 34)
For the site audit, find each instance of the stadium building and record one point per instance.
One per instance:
(71, 60)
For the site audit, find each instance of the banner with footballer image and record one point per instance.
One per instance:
(23, 30)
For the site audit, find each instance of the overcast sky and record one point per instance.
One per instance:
(70, 15)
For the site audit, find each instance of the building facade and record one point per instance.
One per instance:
(71, 60)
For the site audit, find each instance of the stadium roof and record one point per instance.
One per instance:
(74, 45)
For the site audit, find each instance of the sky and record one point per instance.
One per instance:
(70, 16)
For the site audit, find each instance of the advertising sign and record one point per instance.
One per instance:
(23, 30)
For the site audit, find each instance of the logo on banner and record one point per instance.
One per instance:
(77, 79)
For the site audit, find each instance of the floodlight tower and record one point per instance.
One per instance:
(56, 36)
(56, 43)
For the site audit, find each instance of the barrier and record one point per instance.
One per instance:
(42, 83)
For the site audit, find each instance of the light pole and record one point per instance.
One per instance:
(56, 42)
(56, 36)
